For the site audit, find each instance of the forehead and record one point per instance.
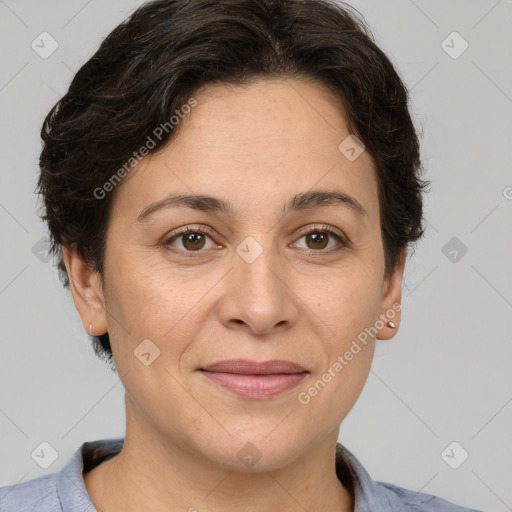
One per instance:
(255, 144)
(266, 108)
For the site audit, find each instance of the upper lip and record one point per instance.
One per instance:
(247, 367)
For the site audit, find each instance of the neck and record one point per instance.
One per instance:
(160, 472)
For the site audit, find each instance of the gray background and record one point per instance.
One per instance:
(445, 377)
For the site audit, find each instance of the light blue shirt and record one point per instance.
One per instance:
(65, 491)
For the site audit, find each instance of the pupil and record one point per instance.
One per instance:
(194, 238)
(318, 239)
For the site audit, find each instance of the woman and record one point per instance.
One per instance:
(231, 188)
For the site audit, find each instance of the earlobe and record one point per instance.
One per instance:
(87, 292)
(391, 299)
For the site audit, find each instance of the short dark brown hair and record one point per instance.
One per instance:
(150, 65)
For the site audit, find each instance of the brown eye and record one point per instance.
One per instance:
(317, 239)
(189, 240)
(193, 241)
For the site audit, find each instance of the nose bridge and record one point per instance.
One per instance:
(258, 267)
(258, 294)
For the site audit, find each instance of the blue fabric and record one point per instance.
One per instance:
(65, 491)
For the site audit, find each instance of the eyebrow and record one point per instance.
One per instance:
(299, 202)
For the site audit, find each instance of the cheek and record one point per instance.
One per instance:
(145, 294)
(348, 307)
(346, 302)
(149, 300)
(156, 393)
(335, 387)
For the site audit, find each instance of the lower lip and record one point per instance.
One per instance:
(256, 387)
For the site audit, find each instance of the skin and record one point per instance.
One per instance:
(254, 146)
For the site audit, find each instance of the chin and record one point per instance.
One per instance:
(255, 451)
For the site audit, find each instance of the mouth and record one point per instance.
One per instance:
(255, 380)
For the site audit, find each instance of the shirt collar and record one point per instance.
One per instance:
(70, 483)
(369, 495)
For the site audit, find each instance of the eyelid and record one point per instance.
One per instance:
(322, 227)
(188, 229)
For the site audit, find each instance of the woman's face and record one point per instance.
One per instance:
(251, 284)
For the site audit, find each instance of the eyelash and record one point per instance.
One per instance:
(344, 243)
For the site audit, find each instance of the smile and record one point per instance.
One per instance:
(253, 380)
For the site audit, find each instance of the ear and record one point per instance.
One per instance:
(391, 300)
(87, 292)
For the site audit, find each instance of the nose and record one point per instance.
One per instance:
(258, 296)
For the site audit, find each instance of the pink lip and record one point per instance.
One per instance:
(254, 380)
(247, 367)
